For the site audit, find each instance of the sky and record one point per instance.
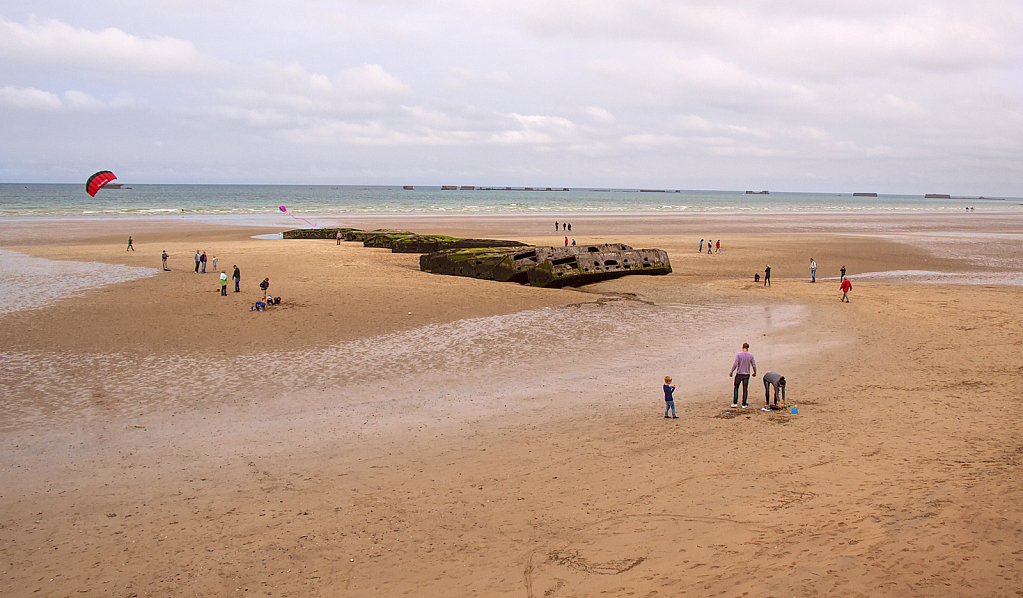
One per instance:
(797, 95)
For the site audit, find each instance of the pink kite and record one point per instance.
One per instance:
(285, 210)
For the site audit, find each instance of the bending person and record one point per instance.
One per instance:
(778, 381)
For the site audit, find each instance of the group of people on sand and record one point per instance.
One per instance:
(200, 262)
(565, 226)
(844, 285)
(743, 368)
(236, 275)
(712, 246)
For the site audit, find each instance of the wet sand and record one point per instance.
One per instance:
(160, 439)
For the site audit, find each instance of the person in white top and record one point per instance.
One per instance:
(813, 270)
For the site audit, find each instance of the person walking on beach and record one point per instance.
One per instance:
(338, 236)
(843, 272)
(767, 275)
(566, 241)
(214, 263)
(265, 285)
(556, 224)
(778, 381)
(202, 259)
(569, 225)
(700, 250)
(717, 246)
(741, 367)
(164, 256)
(196, 261)
(237, 276)
(129, 244)
(813, 270)
(710, 246)
(669, 401)
(223, 284)
(845, 288)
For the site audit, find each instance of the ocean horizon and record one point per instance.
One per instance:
(47, 200)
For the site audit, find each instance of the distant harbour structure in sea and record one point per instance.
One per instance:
(864, 194)
(408, 187)
(937, 196)
(757, 193)
(519, 189)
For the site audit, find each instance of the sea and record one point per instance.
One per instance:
(258, 203)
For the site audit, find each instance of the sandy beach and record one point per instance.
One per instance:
(387, 432)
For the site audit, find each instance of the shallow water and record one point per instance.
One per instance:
(589, 348)
(30, 283)
(928, 277)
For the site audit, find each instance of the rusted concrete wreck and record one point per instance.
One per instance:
(548, 266)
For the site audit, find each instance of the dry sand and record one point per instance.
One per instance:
(159, 439)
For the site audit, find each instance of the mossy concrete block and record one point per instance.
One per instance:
(315, 233)
(548, 266)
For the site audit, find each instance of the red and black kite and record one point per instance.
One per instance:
(97, 180)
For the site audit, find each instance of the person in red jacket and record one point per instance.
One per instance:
(845, 288)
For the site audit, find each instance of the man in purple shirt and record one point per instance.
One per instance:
(743, 365)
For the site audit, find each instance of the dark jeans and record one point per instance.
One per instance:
(744, 380)
(767, 393)
(197, 267)
(223, 290)
(237, 281)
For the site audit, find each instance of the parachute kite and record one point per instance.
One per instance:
(97, 181)
(285, 210)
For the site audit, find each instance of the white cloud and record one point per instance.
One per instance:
(462, 77)
(111, 50)
(29, 98)
(370, 80)
(599, 114)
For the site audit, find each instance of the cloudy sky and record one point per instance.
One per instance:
(800, 95)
